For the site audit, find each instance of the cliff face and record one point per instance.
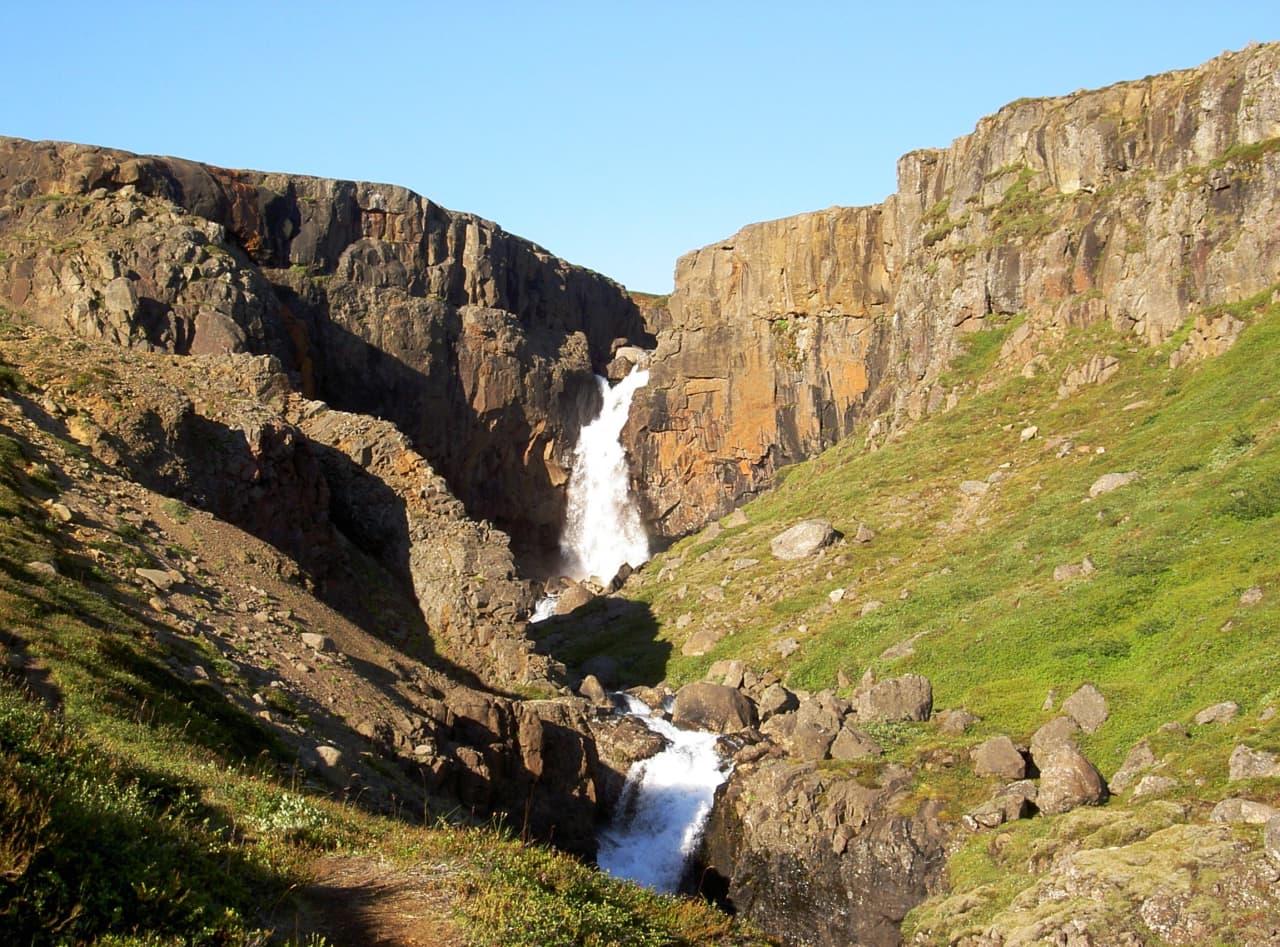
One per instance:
(1141, 204)
(477, 344)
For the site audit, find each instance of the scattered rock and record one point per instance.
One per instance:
(327, 756)
(594, 691)
(955, 720)
(701, 641)
(1069, 780)
(45, 570)
(735, 519)
(852, 744)
(1224, 712)
(1011, 803)
(728, 673)
(740, 564)
(1139, 759)
(1066, 572)
(998, 757)
(864, 534)
(871, 606)
(714, 707)
(684, 621)
(1057, 733)
(1087, 707)
(776, 699)
(1251, 595)
(61, 512)
(1246, 763)
(574, 596)
(902, 649)
(1153, 786)
(1028, 433)
(160, 578)
(974, 488)
(317, 642)
(1112, 481)
(1243, 810)
(786, 647)
(835, 596)
(909, 697)
(802, 540)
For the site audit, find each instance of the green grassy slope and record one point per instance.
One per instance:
(1159, 627)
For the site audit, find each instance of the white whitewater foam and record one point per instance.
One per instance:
(664, 806)
(602, 529)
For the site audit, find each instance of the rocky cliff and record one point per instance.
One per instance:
(478, 345)
(1140, 204)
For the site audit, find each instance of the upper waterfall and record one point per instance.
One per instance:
(602, 529)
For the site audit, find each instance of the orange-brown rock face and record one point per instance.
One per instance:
(1139, 204)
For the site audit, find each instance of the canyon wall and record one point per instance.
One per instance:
(1141, 204)
(477, 344)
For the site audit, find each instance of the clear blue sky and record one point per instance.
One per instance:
(618, 135)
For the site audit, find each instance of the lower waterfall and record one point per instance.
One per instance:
(664, 806)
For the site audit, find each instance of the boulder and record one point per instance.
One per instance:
(776, 699)
(1243, 810)
(1251, 596)
(1112, 481)
(955, 720)
(728, 673)
(974, 488)
(1223, 712)
(852, 744)
(574, 596)
(814, 731)
(1087, 707)
(1139, 759)
(802, 540)
(1246, 763)
(594, 691)
(317, 642)
(1015, 801)
(909, 697)
(701, 641)
(998, 757)
(1069, 780)
(1057, 733)
(706, 706)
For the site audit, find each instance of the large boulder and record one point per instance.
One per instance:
(803, 539)
(909, 697)
(1087, 707)
(1247, 763)
(706, 706)
(1069, 780)
(998, 757)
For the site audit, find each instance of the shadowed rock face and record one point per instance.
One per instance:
(1139, 204)
(477, 344)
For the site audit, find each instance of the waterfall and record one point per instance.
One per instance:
(602, 529)
(664, 806)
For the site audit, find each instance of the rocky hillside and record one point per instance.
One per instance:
(1133, 206)
(992, 644)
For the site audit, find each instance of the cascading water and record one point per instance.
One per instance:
(664, 806)
(602, 529)
(667, 797)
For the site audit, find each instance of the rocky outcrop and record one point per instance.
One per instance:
(478, 345)
(1141, 204)
(817, 857)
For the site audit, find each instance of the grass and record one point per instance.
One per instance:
(1174, 550)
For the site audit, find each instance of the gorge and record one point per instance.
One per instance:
(357, 427)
